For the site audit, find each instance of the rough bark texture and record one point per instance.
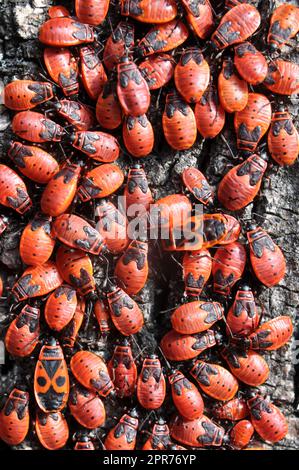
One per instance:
(276, 209)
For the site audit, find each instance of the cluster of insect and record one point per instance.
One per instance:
(59, 247)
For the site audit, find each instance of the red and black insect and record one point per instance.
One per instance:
(284, 25)
(242, 183)
(248, 367)
(195, 317)
(60, 190)
(241, 434)
(177, 347)
(163, 38)
(131, 269)
(138, 196)
(132, 89)
(75, 267)
(267, 259)
(23, 333)
(125, 312)
(20, 95)
(282, 77)
(232, 410)
(237, 25)
(84, 443)
(171, 211)
(13, 191)
(91, 371)
(92, 11)
(112, 225)
(215, 380)
(14, 418)
(243, 316)
(102, 315)
(97, 145)
(283, 138)
(65, 32)
(159, 437)
(51, 378)
(250, 63)
(62, 67)
(199, 15)
(35, 127)
(197, 184)
(200, 432)
(138, 135)
(37, 281)
(70, 332)
(36, 244)
(60, 307)
(153, 11)
(186, 397)
(233, 228)
(123, 435)
(271, 335)
(100, 182)
(188, 236)
(197, 268)
(192, 75)
(209, 115)
(108, 110)
(232, 90)
(151, 384)
(118, 44)
(228, 266)
(75, 232)
(51, 429)
(86, 407)
(33, 162)
(157, 70)
(123, 370)
(93, 73)
(267, 419)
(58, 11)
(179, 124)
(215, 229)
(77, 114)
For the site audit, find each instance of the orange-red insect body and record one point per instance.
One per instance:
(77, 114)
(154, 11)
(215, 380)
(284, 25)
(138, 135)
(192, 75)
(91, 371)
(237, 25)
(267, 259)
(23, 333)
(248, 367)
(108, 110)
(36, 243)
(157, 70)
(33, 162)
(138, 196)
(272, 334)
(92, 72)
(118, 43)
(86, 407)
(186, 397)
(241, 434)
(103, 317)
(209, 115)
(37, 281)
(151, 385)
(13, 191)
(232, 410)
(58, 11)
(195, 317)
(215, 229)
(159, 438)
(60, 307)
(196, 183)
(92, 11)
(65, 32)
(228, 266)
(283, 139)
(177, 347)
(100, 182)
(123, 370)
(75, 267)
(20, 95)
(243, 317)
(282, 77)
(125, 312)
(250, 63)
(96, 145)
(51, 429)
(232, 90)
(84, 443)
(51, 378)
(267, 419)
(171, 211)
(123, 435)
(35, 127)
(132, 89)
(179, 124)
(62, 67)
(233, 229)
(75, 232)
(112, 225)
(199, 15)
(200, 432)
(197, 268)
(70, 332)
(60, 190)
(14, 418)
(131, 269)
(163, 38)
(241, 184)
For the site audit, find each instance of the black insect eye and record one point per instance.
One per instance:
(41, 381)
(60, 381)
